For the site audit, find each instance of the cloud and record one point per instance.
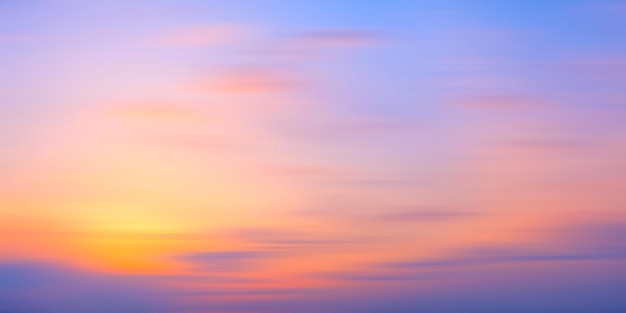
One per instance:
(546, 144)
(286, 238)
(316, 43)
(226, 260)
(373, 276)
(605, 237)
(498, 101)
(202, 143)
(245, 292)
(201, 278)
(250, 80)
(424, 215)
(33, 287)
(393, 216)
(491, 256)
(305, 171)
(543, 292)
(202, 36)
(379, 126)
(158, 111)
(351, 128)
(383, 182)
(599, 69)
(340, 38)
(588, 242)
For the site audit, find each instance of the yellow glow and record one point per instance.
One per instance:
(129, 219)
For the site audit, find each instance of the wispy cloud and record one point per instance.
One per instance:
(424, 215)
(340, 38)
(493, 256)
(227, 260)
(203, 36)
(573, 243)
(370, 275)
(499, 102)
(159, 111)
(289, 239)
(249, 80)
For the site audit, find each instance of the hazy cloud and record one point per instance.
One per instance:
(203, 35)
(159, 112)
(249, 80)
(573, 243)
(50, 288)
(226, 260)
(498, 101)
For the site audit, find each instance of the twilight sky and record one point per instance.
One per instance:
(340, 156)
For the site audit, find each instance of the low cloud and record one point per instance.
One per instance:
(34, 287)
(588, 242)
(373, 276)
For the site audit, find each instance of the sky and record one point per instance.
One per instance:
(188, 156)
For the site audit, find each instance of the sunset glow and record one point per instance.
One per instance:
(187, 156)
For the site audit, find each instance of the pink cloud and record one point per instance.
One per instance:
(158, 111)
(248, 80)
(202, 36)
(498, 101)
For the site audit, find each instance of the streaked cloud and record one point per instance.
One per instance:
(249, 80)
(184, 156)
(574, 243)
(424, 215)
(288, 238)
(370, 275)
(204, 36)
(499, 102)
(227, 260)
(340, 38)
(159, 112)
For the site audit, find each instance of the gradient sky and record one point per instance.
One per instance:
(187, 156)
